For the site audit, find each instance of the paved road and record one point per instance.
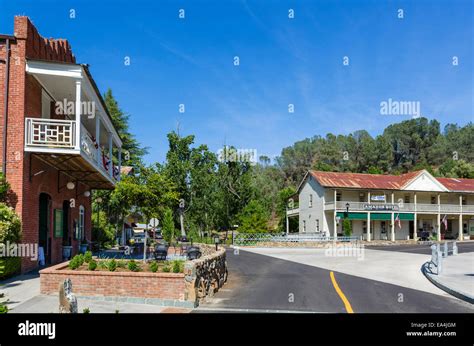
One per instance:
(258, 283)
(463, 247)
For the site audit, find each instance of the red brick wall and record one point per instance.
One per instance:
(25, 100)
(117, 284)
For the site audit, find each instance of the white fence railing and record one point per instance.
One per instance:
(255, 238)
(401, 207)
(50, 133)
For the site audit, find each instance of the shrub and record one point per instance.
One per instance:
(121, 264)
(154, 267)
(76, 262)
(92, 265)
(10, 225)
(166, 269)
(4, 188)
(178, 266)
(88, 257)
(112, 265)
(86, 311)
(133, 266)
(347, 227)
(9, 266)
(3, 308)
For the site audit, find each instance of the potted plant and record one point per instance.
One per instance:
(67, 249)
(84, 246)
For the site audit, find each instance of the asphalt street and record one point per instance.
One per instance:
(262, 283)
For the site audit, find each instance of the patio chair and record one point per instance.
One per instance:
(193, 252)
(161, 252)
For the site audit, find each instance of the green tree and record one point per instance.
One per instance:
(168, 229)
(347, 227)
(253, 219)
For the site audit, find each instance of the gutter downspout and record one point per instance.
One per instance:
(5, 98)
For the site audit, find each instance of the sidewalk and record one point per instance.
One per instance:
(457, 276)
(20, 288)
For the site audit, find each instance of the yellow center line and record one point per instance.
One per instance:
(341, 294)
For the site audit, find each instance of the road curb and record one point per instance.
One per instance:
(437, 283)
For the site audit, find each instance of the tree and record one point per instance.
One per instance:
(347, 227)
(253, 219)
(10, 225)
(168, 229)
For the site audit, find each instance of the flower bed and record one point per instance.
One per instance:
(140, 282)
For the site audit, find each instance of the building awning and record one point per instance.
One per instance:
(376, 216)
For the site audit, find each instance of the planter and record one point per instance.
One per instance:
(67, 251)
(83, 248)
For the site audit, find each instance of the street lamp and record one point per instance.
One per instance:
(216, 240)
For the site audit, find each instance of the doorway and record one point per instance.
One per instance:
(44, 239)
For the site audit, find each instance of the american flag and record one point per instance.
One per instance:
(445, 222)
(398, 221)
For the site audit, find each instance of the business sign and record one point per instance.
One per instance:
(377, 198)
(381, 207)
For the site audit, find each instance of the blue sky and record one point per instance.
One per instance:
(299, 61)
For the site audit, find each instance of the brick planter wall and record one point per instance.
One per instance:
(168, 286)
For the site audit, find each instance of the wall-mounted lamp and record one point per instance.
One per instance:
(70, 185)
(87, 193)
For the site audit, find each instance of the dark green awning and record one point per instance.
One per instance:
(376, 216)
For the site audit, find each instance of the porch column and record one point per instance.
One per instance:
(335, 215)
(438, 226)
(415, 220)
(78, 115)
(392, 225)
(111, 164)
(97, 138)
(368, 218)
(460, 234)
(287, 223)
(119, 163)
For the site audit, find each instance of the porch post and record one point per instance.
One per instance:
(438, 230)
(78, 115)
(119, 162)
(392, 225)
(335, 215)
(415, 221)
(368, 218)
(111, 164)
(97, 138)
(287, 223)
(460, 234)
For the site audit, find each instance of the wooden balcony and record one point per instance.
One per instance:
(400, 207)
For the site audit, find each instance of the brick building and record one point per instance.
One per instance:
(57, 140)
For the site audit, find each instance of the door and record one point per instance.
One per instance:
(411, 228)
(66, 233)
(44, 225)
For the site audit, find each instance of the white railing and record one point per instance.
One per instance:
(402, 207)
(50, 133)
(88, 146)
(294, 211)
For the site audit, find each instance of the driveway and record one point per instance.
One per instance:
(262, 282)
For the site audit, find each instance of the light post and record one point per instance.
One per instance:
(216, 241)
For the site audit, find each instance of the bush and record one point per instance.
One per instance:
(133, 266)
(76, 262)
(92, 265)
(178, 266)
(4, 188)
(347, 227)
(166, 269)
(121, 264)
(112, 265)
(10, 225)
(9, 266)
(154, 267)
(88, 257)
(86, 311)
(3, 308)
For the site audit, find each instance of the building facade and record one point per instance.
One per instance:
(58, 141)
(385, 207)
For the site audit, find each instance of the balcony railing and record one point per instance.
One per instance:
(50, 133)
(402, 207)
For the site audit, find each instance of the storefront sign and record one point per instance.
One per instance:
(377, 198)
(381, 207)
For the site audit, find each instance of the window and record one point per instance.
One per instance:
(317, 225)
(338, 196)
(433, 199)
(310, 200)
(361, 197)
(304, 225)
(407, 198)
(45, 105)
(81, 222)
(364, 226)
(463, 200)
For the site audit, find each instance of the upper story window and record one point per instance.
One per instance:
(407, 198)
(317, 225)
(338, 196)
(463, 200)
(433, 199)
(310, 200)
(304, 225)
(361, 197)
